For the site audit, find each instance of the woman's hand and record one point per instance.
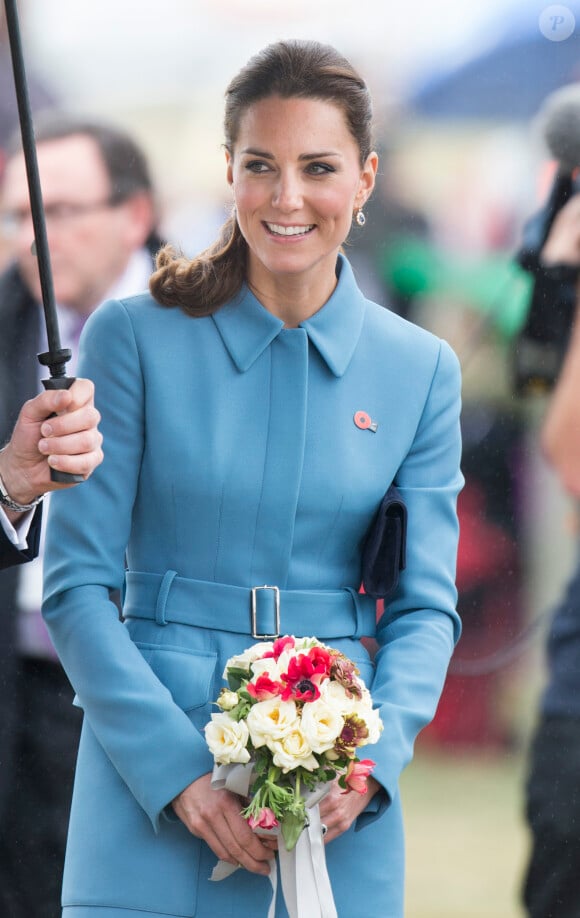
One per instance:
(338, 810)
(214, 816)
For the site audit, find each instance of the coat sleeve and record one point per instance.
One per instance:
(148, 738)
(10, 554)
(420, 625)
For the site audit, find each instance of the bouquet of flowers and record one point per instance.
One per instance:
(295, 713)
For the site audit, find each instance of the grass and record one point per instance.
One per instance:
(466, 840)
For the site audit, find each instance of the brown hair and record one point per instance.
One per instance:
(289, 69)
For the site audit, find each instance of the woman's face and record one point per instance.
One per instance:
(296, 177)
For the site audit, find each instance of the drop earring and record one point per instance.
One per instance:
(360, 217)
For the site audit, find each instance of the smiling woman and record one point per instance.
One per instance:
(241, 484)
(297, 180)
(300, 163)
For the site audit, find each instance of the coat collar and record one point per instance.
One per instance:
(247, 328)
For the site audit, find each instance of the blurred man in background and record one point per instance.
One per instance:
(101, 226)
(552, 881)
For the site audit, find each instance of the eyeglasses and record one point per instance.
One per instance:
(58, 213)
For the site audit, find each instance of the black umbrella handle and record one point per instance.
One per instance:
(59, 382)
(56, 357)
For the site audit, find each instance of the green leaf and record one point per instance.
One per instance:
(236, 677)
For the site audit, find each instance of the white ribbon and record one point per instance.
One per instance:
(235, 778)
(305, 881)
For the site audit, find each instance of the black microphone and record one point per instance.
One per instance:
(559, 123)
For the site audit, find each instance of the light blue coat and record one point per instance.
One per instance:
(232, 456)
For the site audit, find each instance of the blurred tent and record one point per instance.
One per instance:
(509, 78)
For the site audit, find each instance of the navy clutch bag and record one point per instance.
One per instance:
(383, 556)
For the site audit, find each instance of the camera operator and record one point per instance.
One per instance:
(552, 880)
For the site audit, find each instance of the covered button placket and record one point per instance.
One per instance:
(282, 467)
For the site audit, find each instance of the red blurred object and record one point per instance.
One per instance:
(469, 712)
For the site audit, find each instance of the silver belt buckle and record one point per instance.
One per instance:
(254, 612)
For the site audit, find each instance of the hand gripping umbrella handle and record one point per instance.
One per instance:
(56, 356)
(60, 382)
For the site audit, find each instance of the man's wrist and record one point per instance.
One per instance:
(16, 526)
(12, 497)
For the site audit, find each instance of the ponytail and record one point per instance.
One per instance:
(202, 284)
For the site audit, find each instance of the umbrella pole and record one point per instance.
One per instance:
(56, 356)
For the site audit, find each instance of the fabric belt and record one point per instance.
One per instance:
(263, 612)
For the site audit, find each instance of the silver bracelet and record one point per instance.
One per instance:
(10, 504)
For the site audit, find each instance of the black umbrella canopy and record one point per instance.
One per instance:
(511, 78)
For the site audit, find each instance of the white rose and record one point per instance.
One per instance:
(291, 751)
(290, 653)
(269, 667)
(271, 720)
(227, 739)
(365, 696)
(243, 660)
(321, 723)
(363, 706)
(334, 694)
(227, 700)
(373, 721)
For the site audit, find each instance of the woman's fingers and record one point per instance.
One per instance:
(214, 816)
(246, 849)
(338, 810)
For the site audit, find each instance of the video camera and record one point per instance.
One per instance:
(541, 344)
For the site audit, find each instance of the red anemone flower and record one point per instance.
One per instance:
(264, 688)
(303, 678)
